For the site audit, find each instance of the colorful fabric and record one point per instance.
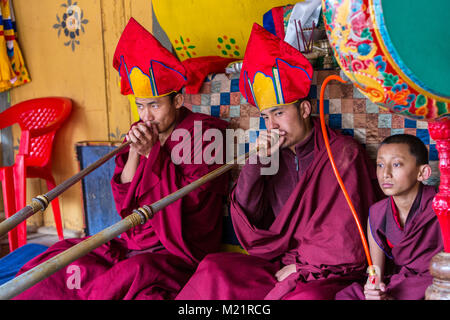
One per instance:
(197, 70)
(146, 68)
(407, 276)
(273, 72)
(12, 262)
(276, 20)
(13, 72)
(314, 230)
(153, 260)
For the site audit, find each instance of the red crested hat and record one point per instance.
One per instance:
(273, 72)
(146, 68)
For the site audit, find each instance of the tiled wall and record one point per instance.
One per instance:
(345, 107)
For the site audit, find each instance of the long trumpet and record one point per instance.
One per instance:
(41, 202)
(139, 216)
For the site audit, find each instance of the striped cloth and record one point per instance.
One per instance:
(13, 72)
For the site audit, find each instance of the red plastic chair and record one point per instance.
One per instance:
(39, 119)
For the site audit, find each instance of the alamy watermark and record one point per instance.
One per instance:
(192, 149)
(74, 277)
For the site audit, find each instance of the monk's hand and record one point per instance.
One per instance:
(284, 272)
(372, 292)
(143, 137)
(269, 142)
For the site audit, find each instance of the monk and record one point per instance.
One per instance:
(296, 225)
(403, 230)
(153, 260)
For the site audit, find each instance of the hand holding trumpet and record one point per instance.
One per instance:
(269, 142)
(143, 135)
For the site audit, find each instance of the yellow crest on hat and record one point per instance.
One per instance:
(142, 84)
(266, 90)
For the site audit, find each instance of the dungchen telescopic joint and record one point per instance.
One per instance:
(40, 202)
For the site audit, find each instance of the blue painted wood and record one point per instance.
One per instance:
(99, 207)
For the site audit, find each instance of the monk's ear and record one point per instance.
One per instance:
(178, 100)
(424, 172)
(305, 109)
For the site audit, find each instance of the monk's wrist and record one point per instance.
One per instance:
(133, 155)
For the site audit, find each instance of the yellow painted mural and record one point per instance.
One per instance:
(68, 46)
(211, 27)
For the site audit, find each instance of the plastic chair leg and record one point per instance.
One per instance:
(20, 187)
(56, 209)
(9, 204)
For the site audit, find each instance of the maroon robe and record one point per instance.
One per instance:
(407, 275)
(154, 260)
(309, 224)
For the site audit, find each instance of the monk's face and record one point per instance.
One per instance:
(397, 171)
(161, 111)
(292, 121)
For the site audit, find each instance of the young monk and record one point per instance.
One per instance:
(152, 260)
(403, 227)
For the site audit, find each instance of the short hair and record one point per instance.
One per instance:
(173, 94)
(416, 147)
(299, 102)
